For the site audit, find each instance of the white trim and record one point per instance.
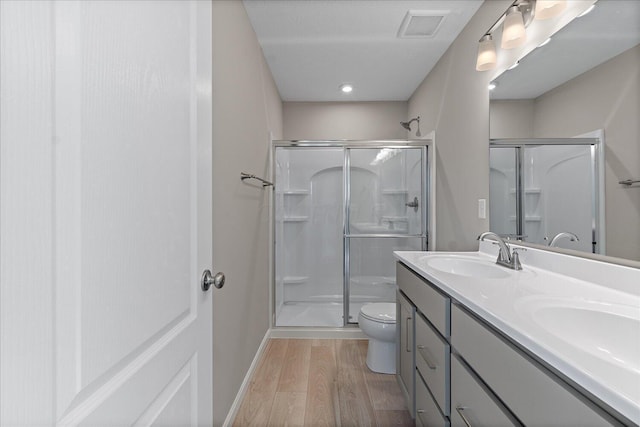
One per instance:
(431, 227)
(600, 184)
(235, 406)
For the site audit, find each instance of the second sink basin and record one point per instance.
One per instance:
(608, 331)
(466, 266)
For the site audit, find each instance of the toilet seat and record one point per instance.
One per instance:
(381, 312)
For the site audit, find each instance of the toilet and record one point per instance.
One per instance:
(378, 322)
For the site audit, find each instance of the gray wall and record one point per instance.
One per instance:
(246, 107)
(453, 100)
(606, 97)
(345, 120)
(511, 118)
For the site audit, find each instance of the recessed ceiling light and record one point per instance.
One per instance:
(346, 88)
(492, 85)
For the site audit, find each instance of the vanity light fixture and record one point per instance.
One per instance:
(346, 88)
(513, 33)
(546, 9)
(487, 57)
(514, 22)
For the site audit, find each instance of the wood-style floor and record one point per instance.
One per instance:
(305, 382)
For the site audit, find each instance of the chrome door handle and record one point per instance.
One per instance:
(413, 204)
(208, 280)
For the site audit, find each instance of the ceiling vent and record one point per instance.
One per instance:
(421, 23)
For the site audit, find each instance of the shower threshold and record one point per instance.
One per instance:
(314, 314)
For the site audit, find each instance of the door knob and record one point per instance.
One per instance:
(208, 280)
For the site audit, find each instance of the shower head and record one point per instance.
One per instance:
(407, 125)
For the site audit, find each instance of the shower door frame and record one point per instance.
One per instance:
(597, 180)
(346, 145)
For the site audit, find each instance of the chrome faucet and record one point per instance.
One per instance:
(506, 258)
(572, 237)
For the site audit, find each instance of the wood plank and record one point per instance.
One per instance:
(384, 392)
(394, 418)
(349, 354)
(320, 342)
(256, 405)
(288, 409)
(295, 372)
(321, 407)
(355, 404)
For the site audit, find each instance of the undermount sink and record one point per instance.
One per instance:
(608, 331)
(467, 267)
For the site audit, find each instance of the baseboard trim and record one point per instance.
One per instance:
(318, 333)
(235, 406)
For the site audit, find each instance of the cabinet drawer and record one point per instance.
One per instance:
(427, 412)
(471, 404)
(432, 360)
(535, 395)
(427, 300)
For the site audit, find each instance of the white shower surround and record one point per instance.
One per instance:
(309, 214)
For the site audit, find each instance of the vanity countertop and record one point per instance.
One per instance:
(579, 316)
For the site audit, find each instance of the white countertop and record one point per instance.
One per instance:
(580, 316)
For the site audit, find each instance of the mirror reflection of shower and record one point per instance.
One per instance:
(407, 125)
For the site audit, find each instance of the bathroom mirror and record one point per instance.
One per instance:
(585, 80)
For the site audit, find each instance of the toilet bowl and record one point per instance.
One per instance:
(378, 322)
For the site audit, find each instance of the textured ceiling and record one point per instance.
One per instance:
(314, 46)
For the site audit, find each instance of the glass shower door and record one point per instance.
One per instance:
(503, 191)
(385, 213)
(308, 236)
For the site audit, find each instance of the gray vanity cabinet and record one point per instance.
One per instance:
(405, 361)
(458, 370)
(429, 347)
(534, 394)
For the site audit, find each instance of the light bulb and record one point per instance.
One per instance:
(346, 88)
(487, 58)
(546, 9)
(513, 34)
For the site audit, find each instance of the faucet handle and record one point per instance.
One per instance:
(515, 258)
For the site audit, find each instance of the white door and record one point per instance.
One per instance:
(105, 213)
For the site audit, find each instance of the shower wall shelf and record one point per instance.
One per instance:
(295, 280)
(295, 218)
(395, 191)
(297, 192)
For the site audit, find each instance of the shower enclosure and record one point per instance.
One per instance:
(341, 209)
(541, 187)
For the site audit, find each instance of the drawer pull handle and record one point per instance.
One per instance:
(407, 346)
(460, 410)
(420, 412)
(425, 356)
